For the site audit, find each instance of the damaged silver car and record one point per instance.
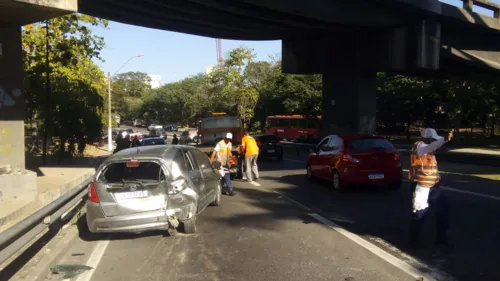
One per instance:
(152, 188)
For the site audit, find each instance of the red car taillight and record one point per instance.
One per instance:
(93, 194)
(349, 159)
(396, 157)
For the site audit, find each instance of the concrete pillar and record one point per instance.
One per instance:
(349, 102)
(11, 99)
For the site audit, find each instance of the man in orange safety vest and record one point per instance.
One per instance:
(424, 178)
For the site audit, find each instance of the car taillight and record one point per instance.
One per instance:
(349, 159)
(93, 194)
(259, 143)
(396, 157)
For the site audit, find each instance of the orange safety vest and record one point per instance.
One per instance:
(424, 169)
(224, 154)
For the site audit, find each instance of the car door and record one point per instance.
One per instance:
(332, 157)
(315, 160)
(196, 177)
(210, 176)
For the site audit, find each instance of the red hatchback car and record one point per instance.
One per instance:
(355, 159)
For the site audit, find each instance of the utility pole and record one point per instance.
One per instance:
(110, 141)
(48, 107)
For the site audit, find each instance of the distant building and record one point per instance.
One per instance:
(155, 81)
(209, 70)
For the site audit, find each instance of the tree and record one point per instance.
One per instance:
(77, 86)
(128, 90)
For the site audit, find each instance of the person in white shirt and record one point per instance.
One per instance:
(424, 178)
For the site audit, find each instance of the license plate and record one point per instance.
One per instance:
(132, 194)
(271, 151)
(375, 176)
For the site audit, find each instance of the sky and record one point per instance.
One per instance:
(175, 56)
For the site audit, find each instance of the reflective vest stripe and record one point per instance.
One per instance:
(224, 153)
(424, 169)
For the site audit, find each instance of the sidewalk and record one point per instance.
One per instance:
(52, 181)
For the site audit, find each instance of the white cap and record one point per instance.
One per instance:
(429, 133)
(124, 134)
(229, 136)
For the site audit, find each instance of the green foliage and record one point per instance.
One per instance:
(77, 85)
(128, 91)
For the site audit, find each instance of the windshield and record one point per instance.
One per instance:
(157, 141)
(369, 144)
(220, 122)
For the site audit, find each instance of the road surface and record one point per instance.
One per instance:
(287, 228)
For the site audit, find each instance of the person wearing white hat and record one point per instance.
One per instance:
(424, 178)
(223, 153)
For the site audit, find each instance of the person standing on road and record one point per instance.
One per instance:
(175, 140)
(251, 151)
(424, 178)
(223, 153)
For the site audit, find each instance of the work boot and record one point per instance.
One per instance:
(231, 193)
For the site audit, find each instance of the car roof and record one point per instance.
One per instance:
(154, 151)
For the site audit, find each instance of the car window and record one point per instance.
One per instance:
(201, 158)
(189, 161)
(334, 143)
(323, 144)
(119, 172)
(369, 144)
(158, 141)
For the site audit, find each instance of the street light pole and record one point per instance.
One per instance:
(110, 132)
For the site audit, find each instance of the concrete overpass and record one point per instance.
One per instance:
(346, 41)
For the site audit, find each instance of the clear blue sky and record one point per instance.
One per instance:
(173, 55)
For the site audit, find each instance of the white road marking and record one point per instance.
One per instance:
(290, 199)
(432, 274)
(470, 193)
(94, 260)
(255, 183)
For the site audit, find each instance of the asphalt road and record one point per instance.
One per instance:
(287, 228)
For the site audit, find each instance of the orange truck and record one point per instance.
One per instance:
(214, 128)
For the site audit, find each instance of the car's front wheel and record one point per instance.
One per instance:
(309, 172)
(189, 226)
(337, 183)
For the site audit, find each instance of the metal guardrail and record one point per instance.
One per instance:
(16, 237)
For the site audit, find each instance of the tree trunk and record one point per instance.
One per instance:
(492, 130)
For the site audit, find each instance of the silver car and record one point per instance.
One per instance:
(152, 188)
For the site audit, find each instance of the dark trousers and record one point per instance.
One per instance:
(227, 180)
(438, 201)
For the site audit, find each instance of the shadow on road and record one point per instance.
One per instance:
(382, 216)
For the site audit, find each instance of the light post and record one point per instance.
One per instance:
(110, 140)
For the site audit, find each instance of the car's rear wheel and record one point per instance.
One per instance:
(218, 192)
(189, 226)
(337, 182)
(309, 172)
(394, 185)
